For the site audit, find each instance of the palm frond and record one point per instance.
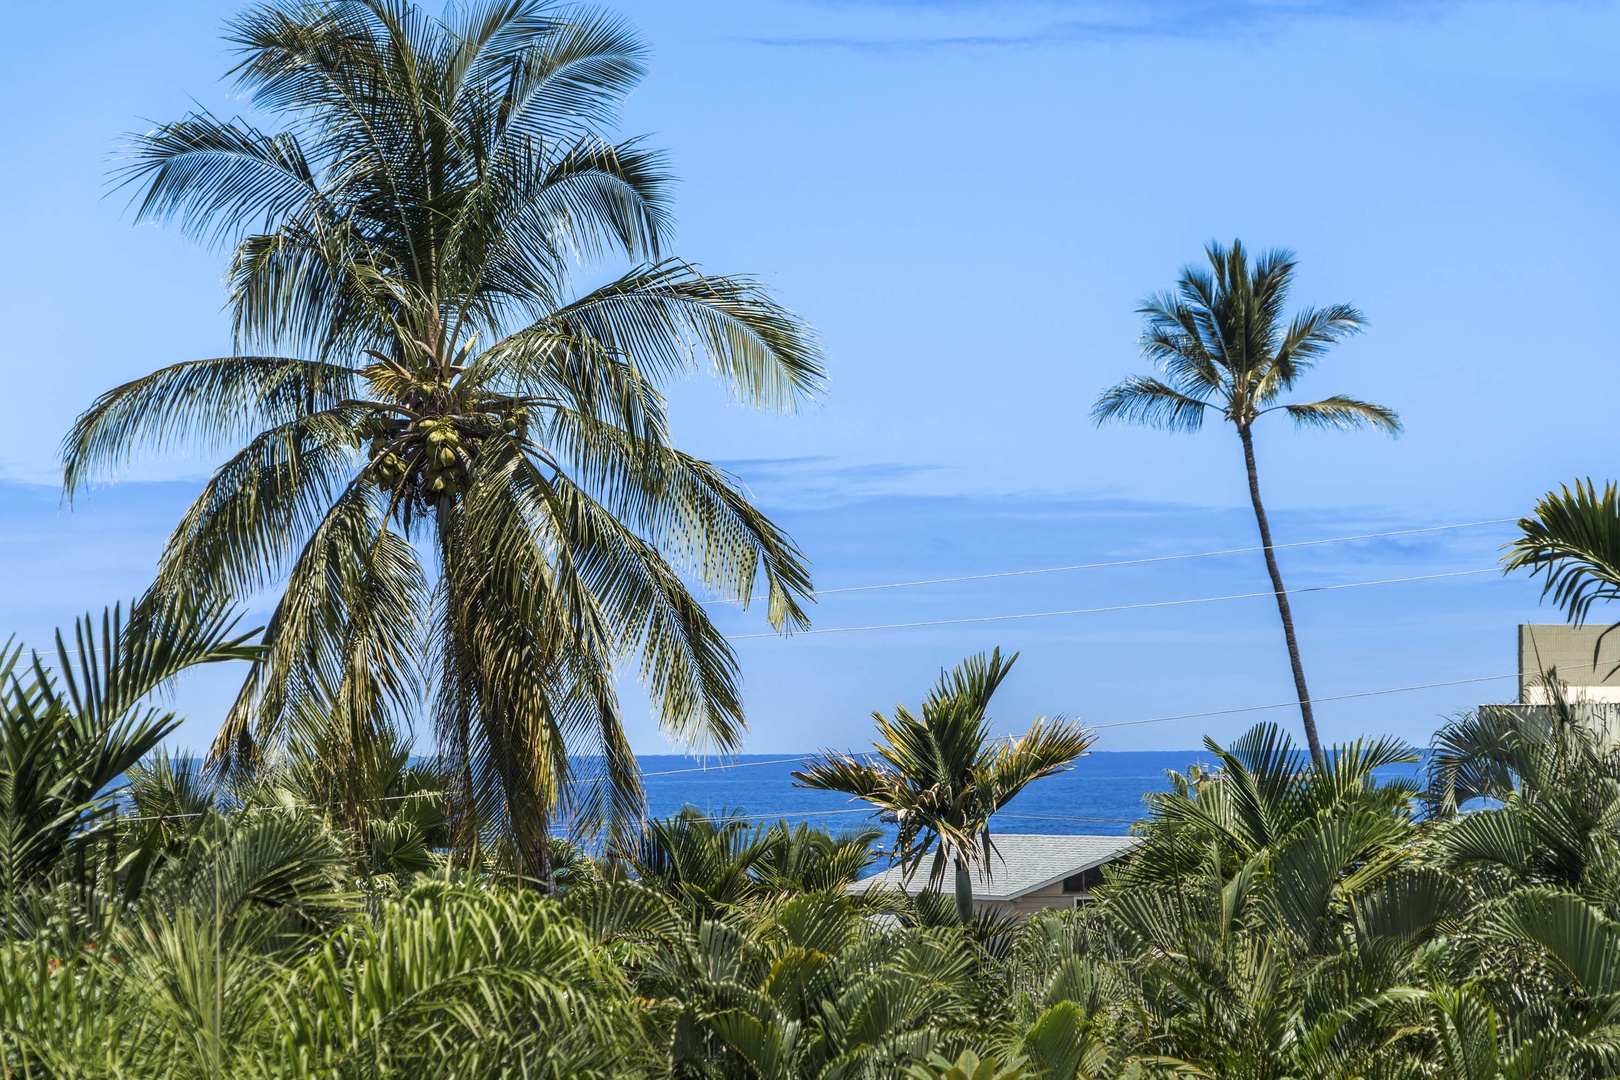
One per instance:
(202, 404)
(665, 316)
(1311, 333)
(1345, 414)
(218, 175)
(1572, 541)
(1142, 399)
(260, 507)
(344, 638)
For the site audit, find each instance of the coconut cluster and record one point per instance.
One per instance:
(431, 457)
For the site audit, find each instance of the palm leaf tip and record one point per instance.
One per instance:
(1345, 414)
(1145, 400)
(1573, 538)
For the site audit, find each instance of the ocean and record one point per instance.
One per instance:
(1101, 795)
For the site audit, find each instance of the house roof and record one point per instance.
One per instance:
(1022, 863)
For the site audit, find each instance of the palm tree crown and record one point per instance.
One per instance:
(943, 775)
(412, 366)
(1222, 341)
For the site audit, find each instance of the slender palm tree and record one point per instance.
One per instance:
(457, 469)
(943, 775)
(1221, 342)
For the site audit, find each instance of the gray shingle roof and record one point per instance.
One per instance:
(1022, 864)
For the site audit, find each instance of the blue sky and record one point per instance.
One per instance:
(968, 200)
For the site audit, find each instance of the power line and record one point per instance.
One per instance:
(435, 794)
(1067, 817)
(276, 806)
(1092, 565)
(1150, 720)
(1136, 562)
(801, 758)
(774, 761)
(1000, 738)
(732, 765)
(782, 815)
(1112, 607)
(1295, 702)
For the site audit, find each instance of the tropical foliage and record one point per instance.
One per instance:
(1225, 347)
(456, 470)
(1572, 542)
(1283, 918)
(941, 775)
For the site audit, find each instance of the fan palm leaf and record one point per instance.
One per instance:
(70, 733)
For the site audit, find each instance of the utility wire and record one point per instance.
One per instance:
(1112, 607)
(1135, 562)
(1089, 565)
(1295, 703)
(731, 765)
(1060, 817)
(1000, 738)
(276, 806)
(433, 794)
(1150, 720)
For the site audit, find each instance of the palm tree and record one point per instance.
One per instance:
(943, 775)
(71, 734)
(458, 472)
(1221, 343)
(709, 863)
(1573, 538)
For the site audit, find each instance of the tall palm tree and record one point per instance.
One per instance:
(943, 775)
(458, 471)
(1221, 342)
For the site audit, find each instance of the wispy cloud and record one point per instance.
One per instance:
(1033, 23)
(821, 480)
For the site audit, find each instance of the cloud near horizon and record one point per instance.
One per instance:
(1048, 23)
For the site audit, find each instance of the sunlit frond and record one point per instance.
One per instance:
(346, 635)
(260, 507)
(218, 176)
(943, 776)
(1144, 400)
(1345, 414)
(201, 404)
(669, 318)
(1572, 542)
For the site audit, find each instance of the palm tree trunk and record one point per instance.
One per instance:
(454, 734)
(964, 891)
(527, 816)
(1305, 713)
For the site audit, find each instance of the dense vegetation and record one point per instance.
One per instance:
(1282, 918)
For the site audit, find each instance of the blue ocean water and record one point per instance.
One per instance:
(1101, 795)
